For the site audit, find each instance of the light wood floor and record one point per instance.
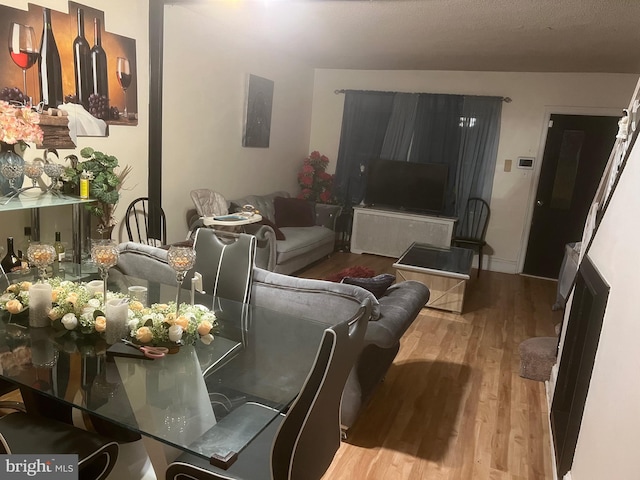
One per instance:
(452, 405)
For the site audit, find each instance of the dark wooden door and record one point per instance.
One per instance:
(575, 155)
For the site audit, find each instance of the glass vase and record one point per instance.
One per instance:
(8, 156)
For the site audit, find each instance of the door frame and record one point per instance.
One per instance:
(548, 111)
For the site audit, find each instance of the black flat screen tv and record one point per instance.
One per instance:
(410, 186)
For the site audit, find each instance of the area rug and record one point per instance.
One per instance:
(356, 272)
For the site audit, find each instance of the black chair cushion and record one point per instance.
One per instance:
(28, 434)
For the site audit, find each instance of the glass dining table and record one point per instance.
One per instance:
(191, 399)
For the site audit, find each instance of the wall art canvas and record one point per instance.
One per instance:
(257, 127)
(70, 62)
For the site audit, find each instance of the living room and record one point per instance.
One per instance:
(202, 121)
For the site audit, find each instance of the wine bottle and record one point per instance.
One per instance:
(59, 248)
(99, 62)
(82, 63)
(49, 68)
(10, 262)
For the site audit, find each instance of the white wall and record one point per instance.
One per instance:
(129, 144)
(205, 82)
(608, 442)
(534, 95)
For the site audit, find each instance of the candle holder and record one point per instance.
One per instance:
(54, 171)
(34, 171)
(181, 259)
(105, 255)
(41, 255)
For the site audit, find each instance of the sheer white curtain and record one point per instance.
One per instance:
(480, 125)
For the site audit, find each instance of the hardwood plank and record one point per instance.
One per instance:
(453, 405)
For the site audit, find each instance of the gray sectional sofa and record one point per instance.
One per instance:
(323, 301)
(301, 246)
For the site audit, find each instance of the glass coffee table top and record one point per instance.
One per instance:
(448, 261)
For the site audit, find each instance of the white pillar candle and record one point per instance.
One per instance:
(95, 286)
(116, 311)
(39, 304)
(138, 293)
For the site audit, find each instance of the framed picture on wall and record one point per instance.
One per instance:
(257, 126)
(68, 62)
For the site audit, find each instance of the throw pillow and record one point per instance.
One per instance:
(293, 212)
(377, 285)
(278, 232)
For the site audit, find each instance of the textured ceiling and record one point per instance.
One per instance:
(485, 35)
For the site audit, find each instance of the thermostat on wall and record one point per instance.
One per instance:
(526, 162)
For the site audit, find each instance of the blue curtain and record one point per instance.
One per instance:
(436, 137)
(459, 131)
(364, 124)
(397, 139)
(478, 151)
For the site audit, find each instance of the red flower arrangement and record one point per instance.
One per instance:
(315, 183)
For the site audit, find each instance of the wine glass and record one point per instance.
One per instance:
(105, 255)
(123, 72)
(181, 259)
(22, 48)
(41, 255)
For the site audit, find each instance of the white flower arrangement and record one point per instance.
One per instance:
(15, 298)
(160, 325)
(76, 308)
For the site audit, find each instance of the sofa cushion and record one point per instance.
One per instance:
(264, 203)
(301, 240)
(294, 212)
(377, 285)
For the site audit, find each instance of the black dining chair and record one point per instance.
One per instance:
(137, 223)
(301, 444)
(472, 227)
(22, 434)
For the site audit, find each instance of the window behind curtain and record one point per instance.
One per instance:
(456, 130)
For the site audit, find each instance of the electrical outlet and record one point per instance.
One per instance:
(507, 165)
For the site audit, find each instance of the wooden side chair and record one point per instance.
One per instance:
(137, 223)
(301, 444)
(472, 227)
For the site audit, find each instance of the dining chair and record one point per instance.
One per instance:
(301, 444)
(137, 223)
(226, 262)
(473, 227)
(22, 434)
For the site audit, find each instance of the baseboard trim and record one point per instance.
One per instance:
(501, 265)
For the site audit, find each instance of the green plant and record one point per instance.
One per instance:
(105, 183)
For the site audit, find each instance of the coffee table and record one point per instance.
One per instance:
(445, 270)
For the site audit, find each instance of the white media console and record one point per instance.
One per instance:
(389, 233)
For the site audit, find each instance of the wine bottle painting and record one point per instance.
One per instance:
(69, 61)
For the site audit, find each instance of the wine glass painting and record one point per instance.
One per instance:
(22, 48)
(68, 60)
(123, 73)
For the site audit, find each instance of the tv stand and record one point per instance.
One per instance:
(390, 232)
